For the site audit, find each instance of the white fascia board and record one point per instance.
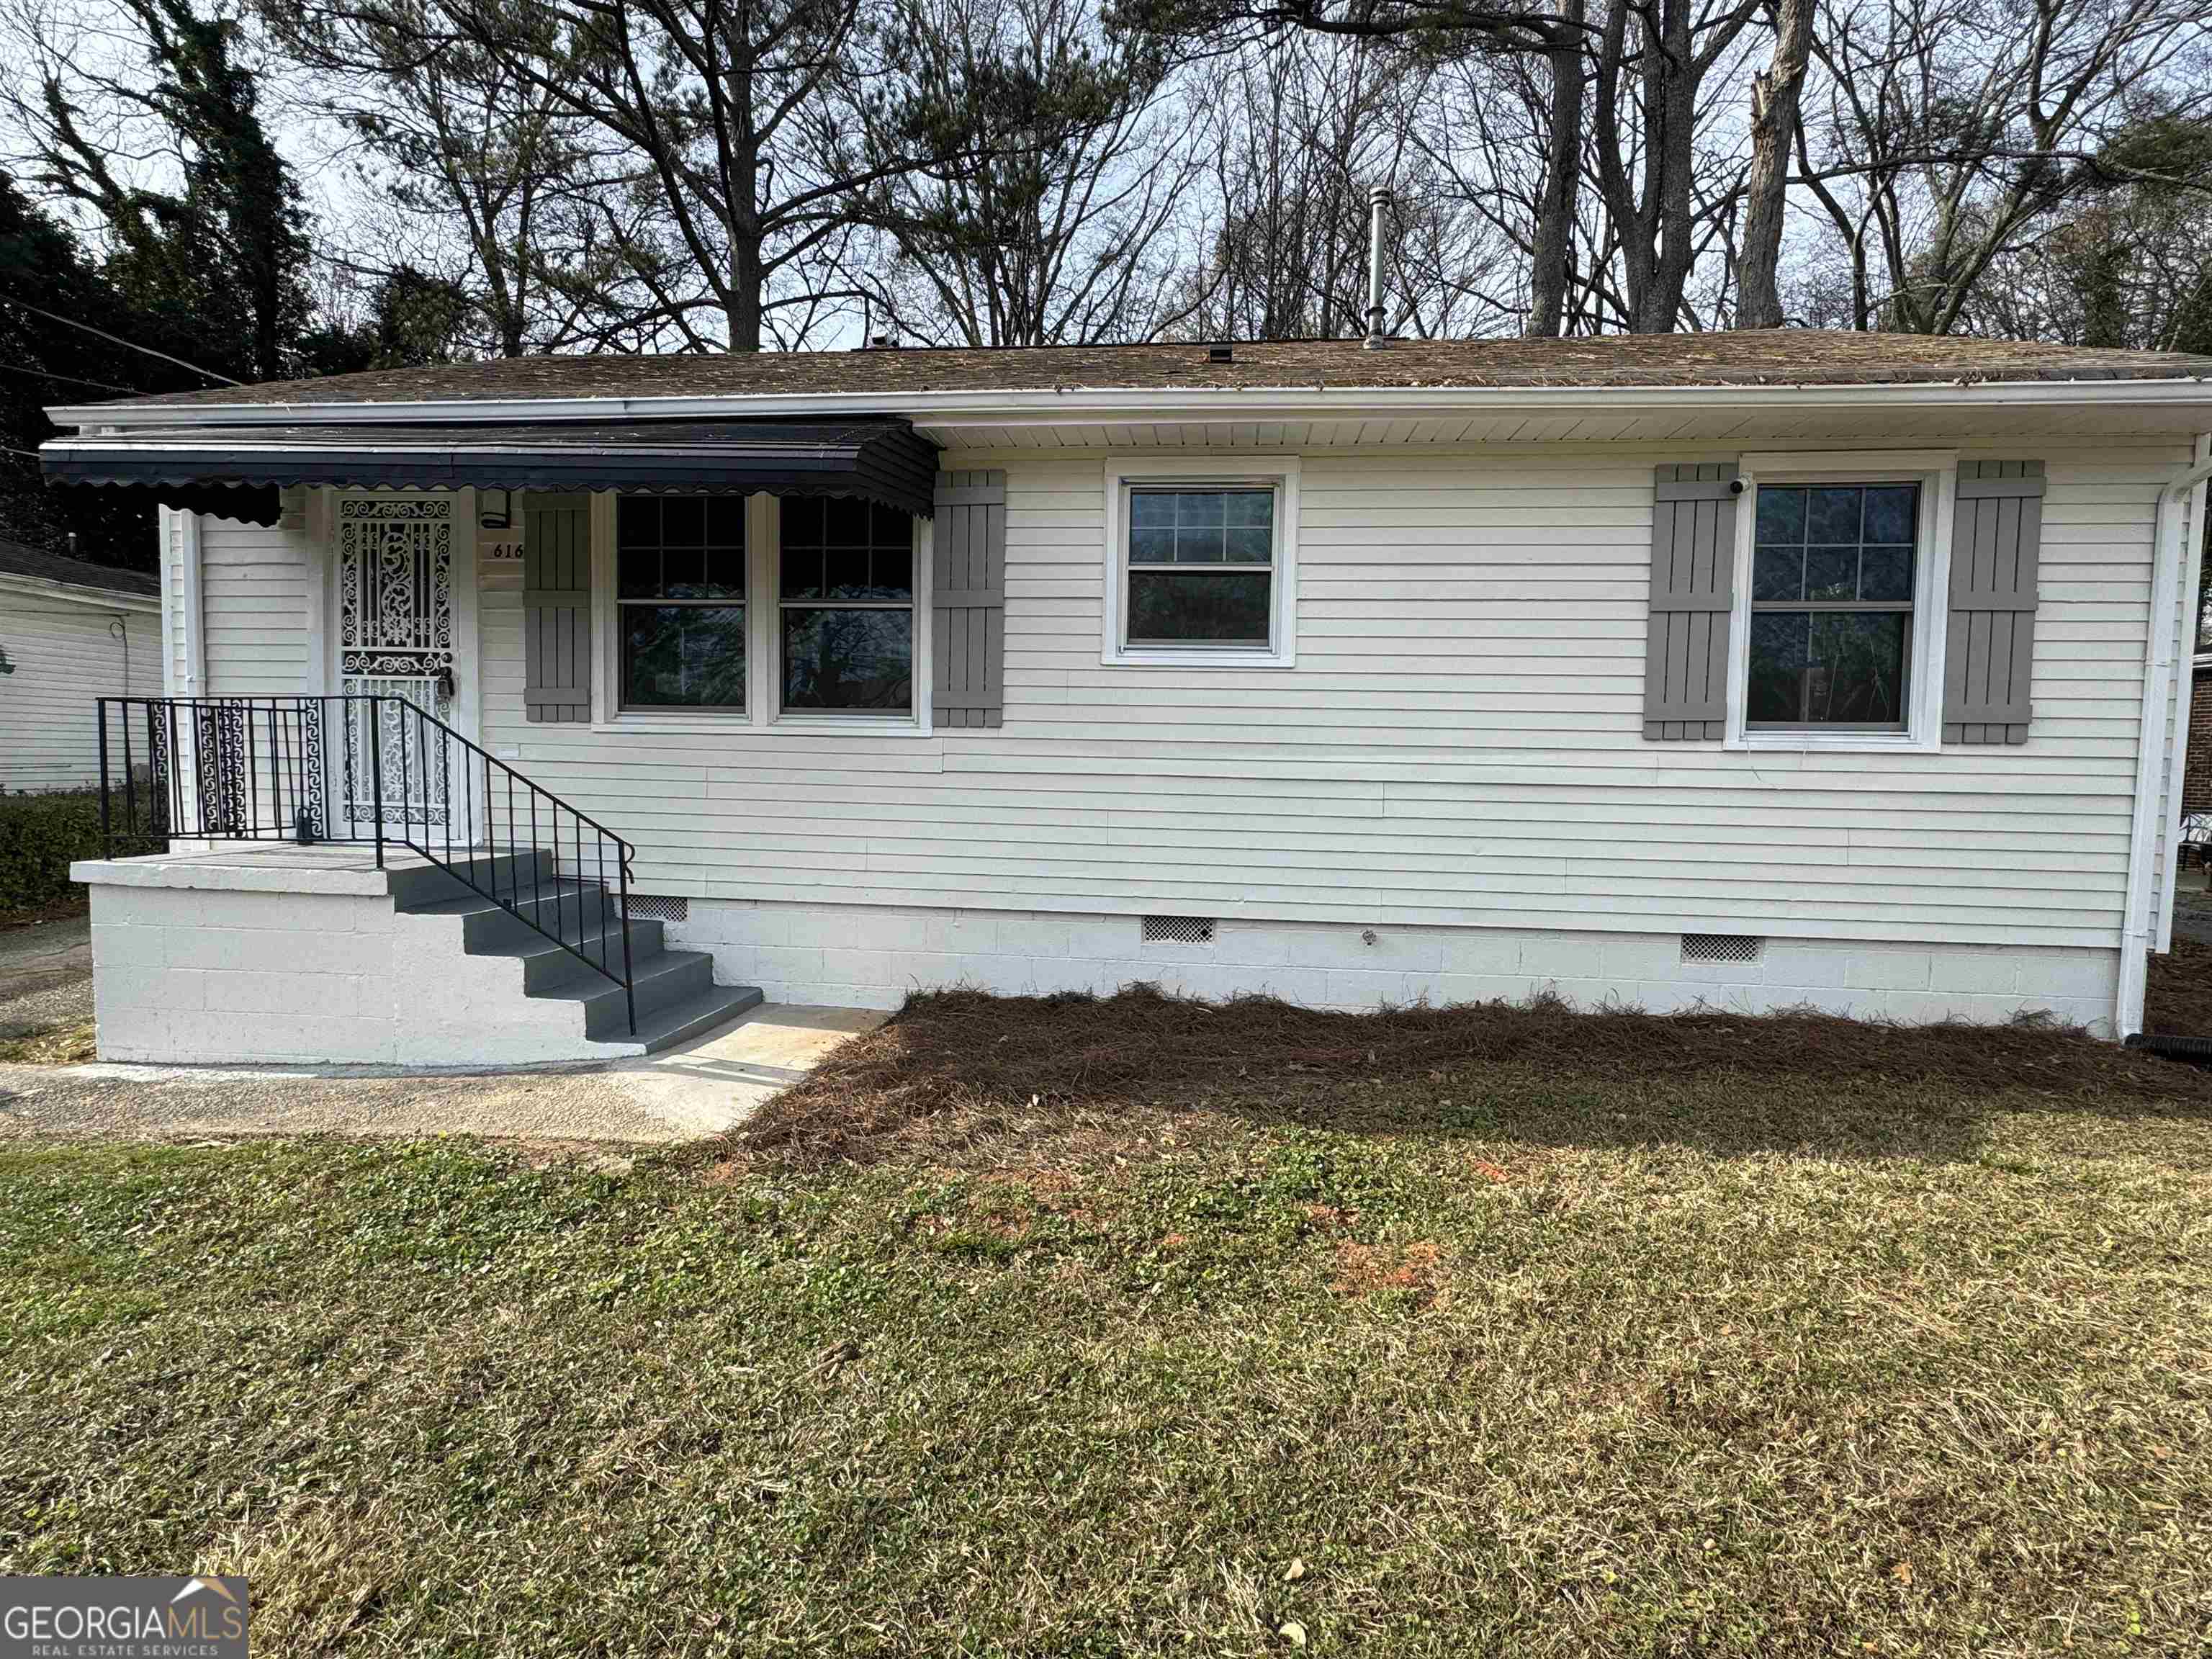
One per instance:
(1092, 407)
(95, 599)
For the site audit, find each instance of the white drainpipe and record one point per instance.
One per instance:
(2169, 559)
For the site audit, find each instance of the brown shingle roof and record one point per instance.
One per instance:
(1766, 357)
(20, 560)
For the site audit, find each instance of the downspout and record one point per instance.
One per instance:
(2161, 651)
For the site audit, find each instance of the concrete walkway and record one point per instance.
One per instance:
(701, 1090)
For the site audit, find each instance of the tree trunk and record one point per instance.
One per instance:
(1774, 96)
(1552, 252)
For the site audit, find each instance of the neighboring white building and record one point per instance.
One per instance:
(70, 632)
(1757, 670)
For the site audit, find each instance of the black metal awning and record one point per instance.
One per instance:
(236, 471)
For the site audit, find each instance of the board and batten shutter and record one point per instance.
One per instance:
(557, 608)
(1692, 588)
(1989, 653)
(968, 608)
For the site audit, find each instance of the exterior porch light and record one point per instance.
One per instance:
(495, 509)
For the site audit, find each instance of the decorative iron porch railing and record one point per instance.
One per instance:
(378, 771)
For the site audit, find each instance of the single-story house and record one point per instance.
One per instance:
(70, 632)
(1755, 669)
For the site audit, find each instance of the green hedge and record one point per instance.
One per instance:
(40, 834)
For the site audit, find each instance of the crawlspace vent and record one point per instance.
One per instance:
(659, 907)
(1721, 947)
(1179, 930)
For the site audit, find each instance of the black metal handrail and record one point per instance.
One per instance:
(263, 768)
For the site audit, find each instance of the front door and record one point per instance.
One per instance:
(397, 638)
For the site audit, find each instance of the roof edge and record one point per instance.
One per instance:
(105, 599)
(1092, 405)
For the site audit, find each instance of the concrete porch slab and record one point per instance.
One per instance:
(249, 866)
(716, 1082)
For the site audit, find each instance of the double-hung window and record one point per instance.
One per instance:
(846, 606)
(1832, 579)
(680, 598)
(1199, 564)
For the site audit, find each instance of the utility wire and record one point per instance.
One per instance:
(117, 339)
(73, 380)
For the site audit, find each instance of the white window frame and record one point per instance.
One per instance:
(1936, 473)
(763, 714)
(1225, 471)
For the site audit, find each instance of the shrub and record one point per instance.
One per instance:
(40, 834)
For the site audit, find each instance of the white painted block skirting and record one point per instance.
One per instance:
(863, 955)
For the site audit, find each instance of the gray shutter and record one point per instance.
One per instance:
(1692, 586)
(557, 608)
(968, 612)
(1989, 654)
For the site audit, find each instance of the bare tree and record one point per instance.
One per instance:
(1947, 130)
(1060, 224)
(1775, 92)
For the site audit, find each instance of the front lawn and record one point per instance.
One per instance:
(1093, 1328)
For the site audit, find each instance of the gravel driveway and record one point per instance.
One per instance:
(46, 976)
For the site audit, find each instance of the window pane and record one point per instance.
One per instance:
(1886, 573)
(1834, 667)
(894, 567)
(1781, 516)
(1199, 543)
(1832, 573)
(1833, 515)
(1777, 688)
(1250, 507)
(663, 551)
(802, 572)
(1777, 573)
(1197, 509)
(845, 522)
(848, 659)
(683, 572)
(847, 576)
(637, 521)
(1890, 513)
(1855, 668)
(1167, 606)
(1151, 543)
(1151, 509)
(1252, 545)
(683, 656)
(683, 521)
(640, 572)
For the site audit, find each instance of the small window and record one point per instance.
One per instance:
(1200, 567)
(681, 598)
(845, 637)
(1832, 583)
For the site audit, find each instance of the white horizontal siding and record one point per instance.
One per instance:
(1460, 742)
(254, 587)
(65, 656)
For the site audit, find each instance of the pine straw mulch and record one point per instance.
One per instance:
(963, 1068)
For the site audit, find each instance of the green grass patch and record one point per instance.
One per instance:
(1512, 1355)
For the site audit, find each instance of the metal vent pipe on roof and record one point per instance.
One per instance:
(1378, 204)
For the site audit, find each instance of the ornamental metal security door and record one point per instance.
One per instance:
(395, 633)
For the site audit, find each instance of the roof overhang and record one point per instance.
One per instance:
(96, 598)
(2189, 400)
(234, 467)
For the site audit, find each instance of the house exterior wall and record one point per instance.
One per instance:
(1459, 746)
(65, 655)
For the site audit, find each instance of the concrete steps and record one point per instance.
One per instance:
(561, 935)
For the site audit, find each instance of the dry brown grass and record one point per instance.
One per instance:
(961, 1069)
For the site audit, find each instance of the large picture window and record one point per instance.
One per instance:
(846, 604)
(680, 588)
(1832, 586)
